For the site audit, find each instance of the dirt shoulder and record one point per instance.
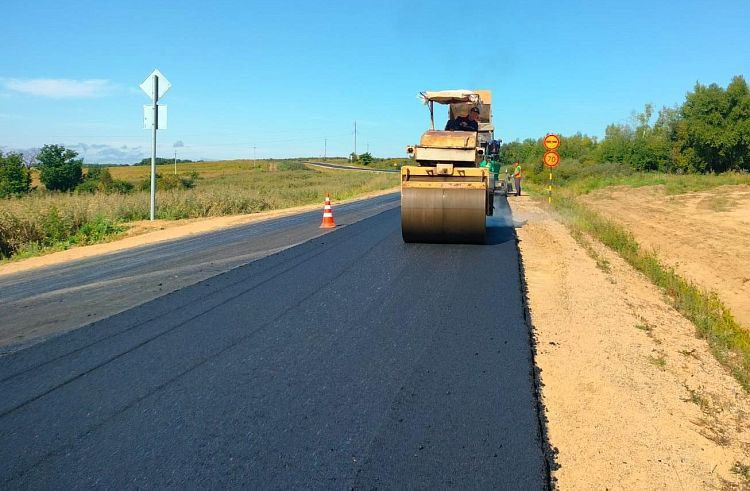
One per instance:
(147, 232)
(704, 236)
(633, 398)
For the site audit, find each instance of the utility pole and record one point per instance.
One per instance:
(253, 154)
(368, 147)
(355, 137)
(325, 148)
(175, 162)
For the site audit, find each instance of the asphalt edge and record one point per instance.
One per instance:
(550, 452)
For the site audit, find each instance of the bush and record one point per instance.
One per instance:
(59, 170)
(88, 186)
(170, 181)
(366, 158)
(99, 179)
(121, 187)
(15, 178)
(96, 230)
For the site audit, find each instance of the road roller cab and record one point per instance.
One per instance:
(446, 196)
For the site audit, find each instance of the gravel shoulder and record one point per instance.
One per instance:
(632, 397)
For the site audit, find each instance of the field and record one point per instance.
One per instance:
(701, 299)
(704, 236)
(45, 221)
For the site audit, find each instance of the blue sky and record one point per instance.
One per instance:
(282, 76)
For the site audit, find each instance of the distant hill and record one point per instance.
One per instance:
(160, 161)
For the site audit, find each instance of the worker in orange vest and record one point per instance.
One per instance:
(517, 179)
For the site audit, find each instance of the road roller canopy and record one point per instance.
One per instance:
(451, 97)
(460, 102)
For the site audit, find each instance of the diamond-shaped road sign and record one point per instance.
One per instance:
(148, 85)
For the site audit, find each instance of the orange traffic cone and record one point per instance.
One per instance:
(327, 214)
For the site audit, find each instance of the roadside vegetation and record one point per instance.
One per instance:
(708, 134)
(104, 199)
(701, 144)
(728, 340)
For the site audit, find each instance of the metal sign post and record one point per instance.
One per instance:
(153, 148)
(155, 86)
(551, 158)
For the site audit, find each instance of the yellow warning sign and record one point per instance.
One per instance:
(551, 141)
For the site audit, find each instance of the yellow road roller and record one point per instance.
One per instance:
(445, 195)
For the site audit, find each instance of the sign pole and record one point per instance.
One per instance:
(153, 148)
(155, 86)
(551, 158)
(549, 197)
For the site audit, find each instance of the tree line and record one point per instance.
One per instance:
(60, 169)
(709, 132)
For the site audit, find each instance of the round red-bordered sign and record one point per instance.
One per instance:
(551, 141)
(551, 159)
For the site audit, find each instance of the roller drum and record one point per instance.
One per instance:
(443, 215)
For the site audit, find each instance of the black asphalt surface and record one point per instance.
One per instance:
(352, 360)
(43, 302)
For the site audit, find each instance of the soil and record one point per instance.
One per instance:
(147, 232)
(704, 236)
(633, 399)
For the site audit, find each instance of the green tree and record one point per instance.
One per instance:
(366, 158)
(59, 170)
(643, 146)
(579, 146)
(713, 134)
(528, 151)
(15, 178)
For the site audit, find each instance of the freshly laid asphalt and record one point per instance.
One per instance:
(352, 360)
(43, 302)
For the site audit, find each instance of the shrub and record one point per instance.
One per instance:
(15, 178)
(366, 158)
(170, 181)
(99, 179)
(121, 187)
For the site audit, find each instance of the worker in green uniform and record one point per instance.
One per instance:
(495, 168)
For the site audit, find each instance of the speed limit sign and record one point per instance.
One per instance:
(551, 159)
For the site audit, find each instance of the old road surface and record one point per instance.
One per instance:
(352, 167)
(351, 360)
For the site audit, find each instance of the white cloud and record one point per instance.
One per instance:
(101, 153)
(59, 88)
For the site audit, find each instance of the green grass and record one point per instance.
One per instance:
(660, 360)
(728, 340)
(584, 178)
(44, 221)
(742, 471)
